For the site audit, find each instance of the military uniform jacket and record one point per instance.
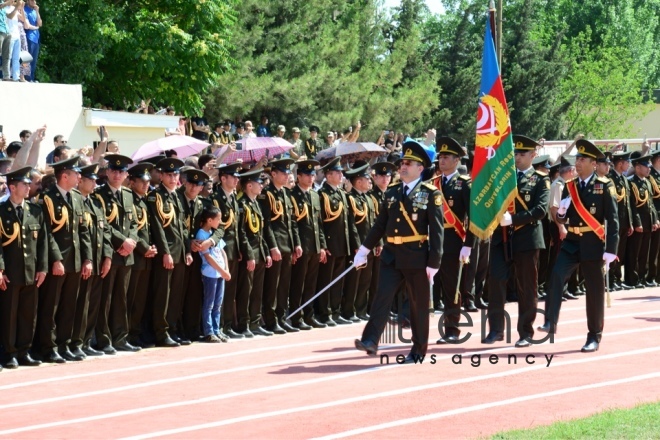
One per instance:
(120, 216)
(641, 203)
(340, 233)
(423, 206)
(251, 222)
(307, 214)
(168, 224)
(280, 230)
(193, 217)
(457, 196)
(145, 240)
(66, 223)
(600, 199)
(99, 232)
(311, 147)
(24, 250)
(363, 213)
(654, 180)
(531, 206)
(622, 188)
(234, 236)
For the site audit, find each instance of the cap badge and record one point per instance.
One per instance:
(519, 145)
(309, 167)
(171, 165)
(195, 177)
(444, 147)
(118, 162)
(581, 149)
(409, 152)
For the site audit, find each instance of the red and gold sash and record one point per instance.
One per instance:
(584, 213)
(452, 219)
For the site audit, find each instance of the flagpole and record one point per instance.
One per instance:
(495, 17)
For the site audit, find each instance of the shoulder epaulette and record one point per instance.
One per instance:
(391, 185)
(429, 186)
(76, 190)
(603, 179)
(465, 177)
(540, 173)
(570, 180)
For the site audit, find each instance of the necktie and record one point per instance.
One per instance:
(118, 197)
(520, 175)
(192, 206)
(405, 190)
(583, 184)
(444, 182)
(68, 198)
(19, 213)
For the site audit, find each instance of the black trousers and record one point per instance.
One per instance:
(112, 322)
(277, 281)
(447, 276)
(18, 318)
(192, 303)
(526, 279)
(249, 295)
(481, 263)
(617, 265)
(94, 287)
(373, 286)
(168, 289)
(356, 290)
(653, 271)
(329, 303)
(637, 256)
(391, 280)
(56, 310)
(228, 315)
(83, 308)
(544, 254)
(138, 292)
(566, 264)
(303, 285)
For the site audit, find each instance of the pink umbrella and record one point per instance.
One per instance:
(252, 149)
(183, 145)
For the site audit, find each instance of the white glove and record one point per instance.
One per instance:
(361, 256)
(563, 206)
(430, 272)
(464, 256)
(608, 258)
(506, 219)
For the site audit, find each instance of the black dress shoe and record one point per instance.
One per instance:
(76, 351)
(341, 321)
(67, 355)
(625, 286)
(89, 351)
(413, 359)
(447, 340)
(302, 326)
(184, 341)
(288, 327)
(262, 331)
(165, 342)
(247, 333)
(405, 323)
(522, 343)
(547, 328)
(232, 334)
(481, 304)
(353, 318)
(11, 364)
(125, 346)
(439, 306)
(330, 322)
(368, 347)
(493, 337)
(469, 306)
(27, 361)
(314, 323)
(53, 358)
(108, 349)
(650, 284)
(276, 329)
(569, 295)
(363, 317)
(639, 286)
(590, 346)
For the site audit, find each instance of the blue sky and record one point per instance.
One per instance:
(434, 5)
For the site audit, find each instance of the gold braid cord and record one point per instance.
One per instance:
(300, 214)
(11, 238)
(331, 215)
(113, 213)
(640, 201)
(253, 225)
(165, 218)
(275, 206)
(143, 222)
(620, 195)
(654, 185)
(376, 208)
(64, 220)
(230, 219)
(88, 219)
(360, 216)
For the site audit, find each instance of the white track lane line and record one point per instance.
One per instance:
(105, 373)
(485, 406)
(279, 387)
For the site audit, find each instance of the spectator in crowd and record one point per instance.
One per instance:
(248, 130)
(113, 147)
(32, 25)
(25, 67)
(263, 130)
(57, 142)
(237, 120)
(60, 153)
(13, 149)
(200, 128)
(3, 144)
(15, 44)
(5, 165)
(5, 40)
(331, 140)
(281, 130)
(240, 131)
(25, 135)
(298, 148)
(171, 153)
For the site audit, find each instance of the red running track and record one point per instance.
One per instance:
(316, 385)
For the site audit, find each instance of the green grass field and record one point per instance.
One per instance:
(641, 422)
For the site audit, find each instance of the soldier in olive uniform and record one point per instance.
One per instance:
(312, 144)
(587, 202)
(645, 221)
(341, 238)
(458, 239)
(70, 258)
(620, 165)
(382, 178)
(117, 202)
(23, 267)
(411, 220)
(363, 214)
(542, 164)
(281, 233)
(255, 257)
(168, 229)
(89, 296)
(525, 238)
(305, 270)
(139, 293)
(654, 180)
(225, 199)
